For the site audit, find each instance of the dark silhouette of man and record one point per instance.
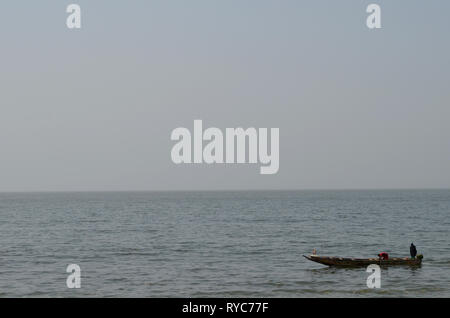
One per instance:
(413, 251)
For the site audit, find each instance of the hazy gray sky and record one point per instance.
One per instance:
(93, 109)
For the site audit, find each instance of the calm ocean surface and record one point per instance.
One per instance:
(221, 244)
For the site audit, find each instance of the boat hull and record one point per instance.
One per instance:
(362, 262)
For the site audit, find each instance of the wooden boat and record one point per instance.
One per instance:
(364, 262)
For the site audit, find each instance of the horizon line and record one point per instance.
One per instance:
(225, 190)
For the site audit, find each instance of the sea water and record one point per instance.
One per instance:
(221, 244)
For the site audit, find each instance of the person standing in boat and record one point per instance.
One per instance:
(413, 251)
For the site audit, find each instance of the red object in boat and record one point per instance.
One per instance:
(383, 256)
